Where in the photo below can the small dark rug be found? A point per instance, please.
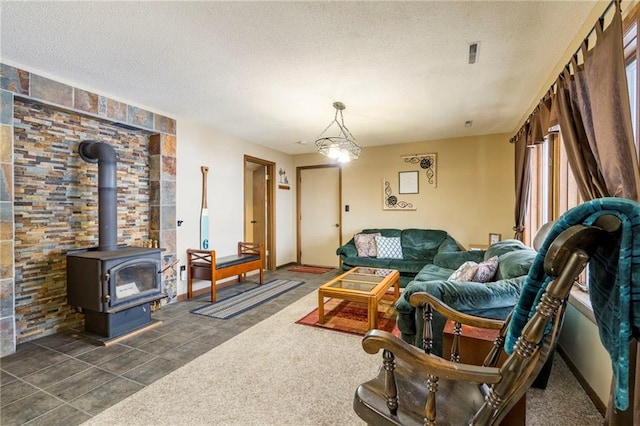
(351, 317)
(309, 269)
(235, 305)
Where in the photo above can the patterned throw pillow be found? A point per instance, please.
(486, 270)
(465, 272)
(389, 247)
(366, 244)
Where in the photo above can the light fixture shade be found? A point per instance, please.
(338, 144)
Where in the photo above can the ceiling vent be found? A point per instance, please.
(474, 51)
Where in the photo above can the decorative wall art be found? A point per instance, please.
(494, 238)
(408, 182)
(283, 181)
(426, 162)
(391, 202)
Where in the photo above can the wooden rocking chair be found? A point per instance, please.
(414, 387)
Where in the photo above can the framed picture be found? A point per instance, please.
(408, 182)
(494, 238)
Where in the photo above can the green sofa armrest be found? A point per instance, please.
(453, 260)
(449, 245)
(348, 250)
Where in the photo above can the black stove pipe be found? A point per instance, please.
(105, 156)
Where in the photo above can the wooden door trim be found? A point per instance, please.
(299, 169)
(270, 194)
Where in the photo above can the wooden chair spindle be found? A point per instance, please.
(391, 389)
(427, 332)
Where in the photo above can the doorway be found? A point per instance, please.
(259, 206)
(319, 222)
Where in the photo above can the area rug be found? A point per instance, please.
(235, 305)
(351, 317)
(308, 269)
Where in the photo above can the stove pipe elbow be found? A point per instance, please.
(105, 156)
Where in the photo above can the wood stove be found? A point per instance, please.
(114, 288)
(114, 285)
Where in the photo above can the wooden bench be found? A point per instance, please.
(250, 257)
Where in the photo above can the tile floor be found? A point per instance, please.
(65, 379)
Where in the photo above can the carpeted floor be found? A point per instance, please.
(298, 375)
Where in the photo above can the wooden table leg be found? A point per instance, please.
(320, 307)
(373, 312)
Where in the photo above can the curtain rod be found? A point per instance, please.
(593, 28)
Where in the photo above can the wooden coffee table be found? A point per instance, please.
(360, 284)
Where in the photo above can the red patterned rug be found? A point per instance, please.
(309, 269)
(351, 317)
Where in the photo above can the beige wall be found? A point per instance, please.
(580, 341)
(473, 197)
(203, 146)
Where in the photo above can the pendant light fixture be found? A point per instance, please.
(338, 144)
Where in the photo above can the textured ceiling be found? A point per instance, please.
(268, 72)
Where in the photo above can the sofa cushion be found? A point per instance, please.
(432, 272)
(404, 265)
(504, 246)
(385, 232)
(369, 262)
(389, 248)
(366, 244)
(515, 264)
(452, 260)
(465, 272)
(486, 270)
(421, 243)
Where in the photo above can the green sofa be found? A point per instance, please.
(493, 299)
(419, 248)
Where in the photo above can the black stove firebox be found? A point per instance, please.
(114, 288)
(114, 285)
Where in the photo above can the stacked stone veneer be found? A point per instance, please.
(49, 195)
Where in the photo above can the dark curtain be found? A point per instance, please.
(534, 132)
(595, 118)
(523, 180)
(595, 122)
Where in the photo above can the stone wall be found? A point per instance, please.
(48, 194)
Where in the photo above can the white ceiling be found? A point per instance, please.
(268, 72)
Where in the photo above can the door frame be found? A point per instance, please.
(299, 169)
(270, 195)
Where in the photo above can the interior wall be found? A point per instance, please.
(580, 342)
(473, 195)
(224, 155)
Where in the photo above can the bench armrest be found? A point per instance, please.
(251, 248)
(202, 256)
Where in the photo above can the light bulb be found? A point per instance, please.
(334, 152)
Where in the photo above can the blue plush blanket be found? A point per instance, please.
(614, 282)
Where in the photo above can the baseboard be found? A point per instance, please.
(602, 408)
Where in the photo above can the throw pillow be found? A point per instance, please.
(465, 272)
(486, 270)
(389, 247)
(366, 244)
